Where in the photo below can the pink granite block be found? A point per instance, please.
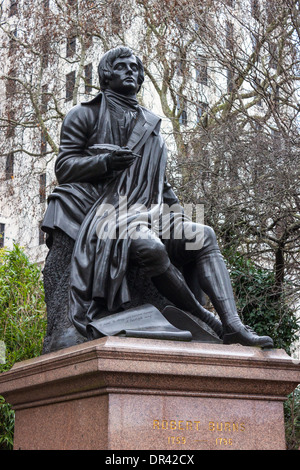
(130, 393)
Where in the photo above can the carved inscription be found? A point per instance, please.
(173, 424)
(227, 429)
(226, 426)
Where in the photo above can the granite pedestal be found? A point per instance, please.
(122, 393)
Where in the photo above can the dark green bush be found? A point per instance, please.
(292, 420)
(263, 308)
(22, 321)
(260, 304)
(7, 423)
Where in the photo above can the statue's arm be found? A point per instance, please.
(72, 164)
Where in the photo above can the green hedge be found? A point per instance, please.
(266, 310)
(260, 304)
(22, 321)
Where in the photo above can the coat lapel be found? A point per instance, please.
(145, 125)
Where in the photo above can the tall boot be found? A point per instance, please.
(171, 284)
(215, 281)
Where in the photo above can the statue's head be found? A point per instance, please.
(110, 73)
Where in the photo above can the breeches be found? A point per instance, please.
(154, 254)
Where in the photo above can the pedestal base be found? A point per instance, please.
(124, 393)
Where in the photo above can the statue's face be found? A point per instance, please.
(125, 74)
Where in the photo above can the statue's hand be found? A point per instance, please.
(121, 159)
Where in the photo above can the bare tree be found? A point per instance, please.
(226, 77)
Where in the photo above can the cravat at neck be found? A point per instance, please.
(116, 100)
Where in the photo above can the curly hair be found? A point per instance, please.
(105, 67)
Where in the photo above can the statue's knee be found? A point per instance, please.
(210, 239)
(151, 255)
(204, 237)
(153, 252)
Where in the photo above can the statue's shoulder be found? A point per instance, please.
(152, 119)
(96, 100)
(84, 110)
(149, 113)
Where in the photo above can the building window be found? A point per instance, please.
(277, 96)
(42, 235)
(115, 15)
(11, 124)
(44, 99)
(180, 67)
(70, 85)
(183, 117)
(88, 40)
(9, 166)
(45, 52)
(10, 85)
(88, 78)
(270, 11)
(182, 111)
(258, 85)
(230, 81)
(254, 40)
(71, 46)
(12, 43)
(201, 70)
(13, 9)
(229, 35)
(43, 144)
(255, 9)
(273, 50)
(42, 191)
(2, 235)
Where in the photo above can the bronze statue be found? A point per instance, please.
(111, 155)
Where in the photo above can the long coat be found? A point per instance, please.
(98, 268)
(82, 176)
